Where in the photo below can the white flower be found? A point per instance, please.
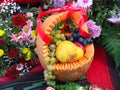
(11, 11)
(6, 7)
(29, 14)
(18, 8)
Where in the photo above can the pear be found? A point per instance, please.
(67, 51)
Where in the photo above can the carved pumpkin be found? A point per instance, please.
(69, 71)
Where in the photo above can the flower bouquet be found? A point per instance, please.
(17, 39)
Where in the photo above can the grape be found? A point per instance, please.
(58, 31)
(45, 71)
(49, 73)
(52, 54)
(76, 30)
(80, 40)
(47, 59)
(62, 36)
(58, 42)
(50, 76)
(53, 60)
(70, 29)
(76, 36)
(84, 42)
(53, 77)
(57, 36)
(54, 40)
(52, 46)
(71, 39)
(52, 32)
(50, 67)
(51, 37)
(89, 40)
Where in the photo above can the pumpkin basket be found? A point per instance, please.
(68, 71)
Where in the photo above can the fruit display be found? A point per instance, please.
(63, 50)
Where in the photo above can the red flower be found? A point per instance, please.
(2, 42)
(1, 1)
(12, 72)
(19, 19)
(13, 53)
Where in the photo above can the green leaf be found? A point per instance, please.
(112, 46)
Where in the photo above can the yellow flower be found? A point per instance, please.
(2, 32)
(25, 50)
(34, 33)
(1, 52)
(28, 57)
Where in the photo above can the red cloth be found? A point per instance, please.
(7, 78)
(98, 72)
(26, 1)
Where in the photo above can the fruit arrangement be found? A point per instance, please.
(64, 51)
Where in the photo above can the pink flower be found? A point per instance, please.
(31, 39)
(19, 67)
(75, 4)
(15, 37)
(29, 14)
(85, 3)
(95, 87)
(29, 23)
(49, 88)
(26, 30)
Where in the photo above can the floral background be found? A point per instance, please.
(17, 39)
(18, 31)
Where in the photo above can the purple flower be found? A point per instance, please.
(90, 23)
(114, 20)
(92, 27)
(59, 3)
(96, 31)
(83, 3)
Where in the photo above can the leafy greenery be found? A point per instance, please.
(110, 37)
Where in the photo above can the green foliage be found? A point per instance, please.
(111, 42)
(71, 86)
(110, 38)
